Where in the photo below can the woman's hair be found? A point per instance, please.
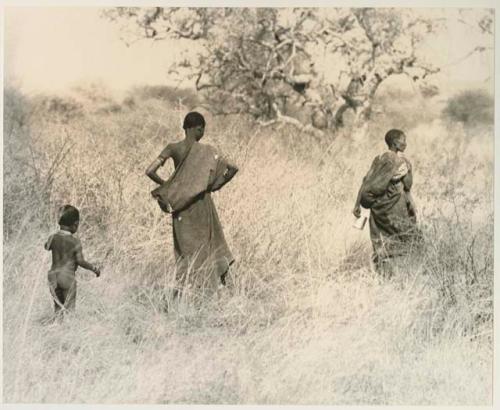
(393, 135)
(193, 119)
(68, 215)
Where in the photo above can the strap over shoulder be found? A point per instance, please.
(190, 178)
(383, 170)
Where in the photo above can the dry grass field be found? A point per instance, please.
(307, 321)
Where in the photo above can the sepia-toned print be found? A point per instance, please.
(249, 205)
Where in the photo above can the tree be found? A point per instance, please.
(477, 22)
(264, 61)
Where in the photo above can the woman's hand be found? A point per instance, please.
(357, 211)
(230, 172)
(151, 171)
(97, 270)
(165, 207)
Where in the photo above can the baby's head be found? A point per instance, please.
(69, 218)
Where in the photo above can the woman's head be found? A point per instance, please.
(396, 140)
(69, 217)
(194, 125)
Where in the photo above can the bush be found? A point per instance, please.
(166, 93)
(62, 108)
(15, 111)
(471, 107)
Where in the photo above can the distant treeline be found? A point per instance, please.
(471, 107)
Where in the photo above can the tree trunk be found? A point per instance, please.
(359, 97)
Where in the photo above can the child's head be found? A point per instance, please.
(396, 140)
(69, 216)
(194, 125)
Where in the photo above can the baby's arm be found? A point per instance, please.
(80, 260)
(400, 172)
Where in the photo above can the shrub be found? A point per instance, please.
(471, 107)
(172, 95)
(62, 108)
(15, 111)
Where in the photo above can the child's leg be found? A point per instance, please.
(227, 279)
(59, 297)
(55, 291)
(223, 278)
(70, 297)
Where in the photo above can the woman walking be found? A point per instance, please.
(386, 191)
(202, 255)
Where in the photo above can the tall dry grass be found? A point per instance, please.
(307, 321)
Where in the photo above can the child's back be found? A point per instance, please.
(64, 247)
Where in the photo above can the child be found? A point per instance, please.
(66, 257)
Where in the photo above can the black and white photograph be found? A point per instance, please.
(252, 204)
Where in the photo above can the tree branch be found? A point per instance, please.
(285, 119)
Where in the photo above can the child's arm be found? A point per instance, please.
(157, 163)
(48, 244)
(80, 260)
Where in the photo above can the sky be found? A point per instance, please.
(55, 48)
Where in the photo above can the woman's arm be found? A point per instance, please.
(157, 163)
(408, 181)
(48, 244)
(229, 173)
(357, 205)
(412, 209)
(408, 177)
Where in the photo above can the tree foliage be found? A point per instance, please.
(264, 61)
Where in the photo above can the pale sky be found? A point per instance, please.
(53, 48)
